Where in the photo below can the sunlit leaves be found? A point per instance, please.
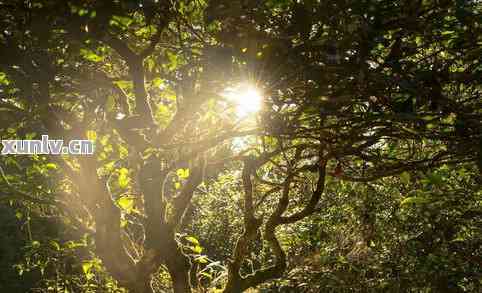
(3, 79)
(90, 266)
(35, 244)
(90, 55)
(123, 179)
(201, 259)
(124, 84)
(416, 198)
(122, 22)
(163, 114)
(173, 60)
(177, 185)
(146, 31)
(196, 249)
(19, 215)
(333, 99)
(55, 245)
(86, 267)
(157, 82)
(91, 135)
(126, 203)
(182, 173)
(192, 240)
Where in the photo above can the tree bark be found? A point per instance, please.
(143, 285)
(178, 266)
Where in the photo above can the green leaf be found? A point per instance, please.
(173, 60)
(157, 82)
(206, 275)
(182, 173)
(126, 203)
(196, 249)
(86, 268)
(3, 79)
(55, 245)
(90, 55)
(51, 166)
(121, 21)
(19, 269)
(405, 178)
(416, 200)
(35, 244)
(82, 12)
(201, 259)
(192, 240)
(450, 119)
(123, 179)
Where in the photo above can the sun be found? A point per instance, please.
(246, 98)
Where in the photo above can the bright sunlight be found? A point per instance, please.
(246, 98)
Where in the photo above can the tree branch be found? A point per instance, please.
(315, 197)
(182, 201)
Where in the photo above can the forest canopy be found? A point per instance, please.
(260, 146)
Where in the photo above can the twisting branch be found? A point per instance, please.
(136, 70)
(182, 201)
(269, 235)
(315, 197)
(249, 217)
(271, 272)
(108, 240)
(236, 283)
(251, 226)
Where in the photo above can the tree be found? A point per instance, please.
(356, 91)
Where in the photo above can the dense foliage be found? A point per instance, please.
(360, 172)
